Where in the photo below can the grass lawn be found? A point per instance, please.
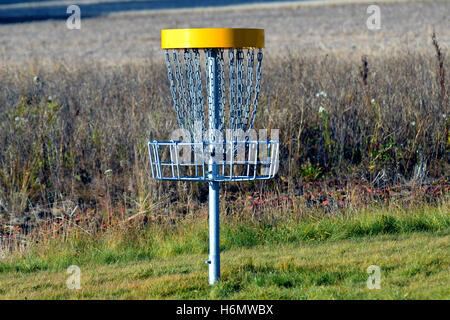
(413, 266)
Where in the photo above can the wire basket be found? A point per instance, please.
(206, 161)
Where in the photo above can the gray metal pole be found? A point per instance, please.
(213, 118)
(214, 249)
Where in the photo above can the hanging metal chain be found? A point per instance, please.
(212, 120)
(239, 88)
(191, 94)
(257, 88)
(181, 90)
(199, 108)
(206, 69)
(173, 90)
(221, 87)
(249, 87)
(231, 88)
(186, 87)
(207, 77)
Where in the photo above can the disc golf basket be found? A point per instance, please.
(215, 77)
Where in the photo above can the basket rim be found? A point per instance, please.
(204, 166)
(226, 38)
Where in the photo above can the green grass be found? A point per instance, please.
(413, 266)
(290, 258)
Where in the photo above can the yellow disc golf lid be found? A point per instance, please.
(238, 38)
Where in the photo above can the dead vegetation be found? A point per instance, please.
(74, 139)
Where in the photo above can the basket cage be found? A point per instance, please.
(220, 161)
(214, 89)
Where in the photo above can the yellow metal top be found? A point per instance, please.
(212, 38)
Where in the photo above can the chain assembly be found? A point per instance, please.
(188, 87)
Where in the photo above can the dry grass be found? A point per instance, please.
(74, 134)
(79, 133)
(412, 267)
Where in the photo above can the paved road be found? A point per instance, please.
(16, 11)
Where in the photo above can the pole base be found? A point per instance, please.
(214, 237)
(214, 269)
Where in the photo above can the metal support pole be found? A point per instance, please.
(213, 120)
(214, 249)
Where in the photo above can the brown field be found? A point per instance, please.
(304, 28)
(73, 143)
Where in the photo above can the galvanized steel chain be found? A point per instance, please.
(221, 86)
(212, 119)
(249, 87)
(244, 85)
(181, 90)
(231, 80)
(173, 90)
(191, 94)
(199, 109)
(257, 88)
(239, 87)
